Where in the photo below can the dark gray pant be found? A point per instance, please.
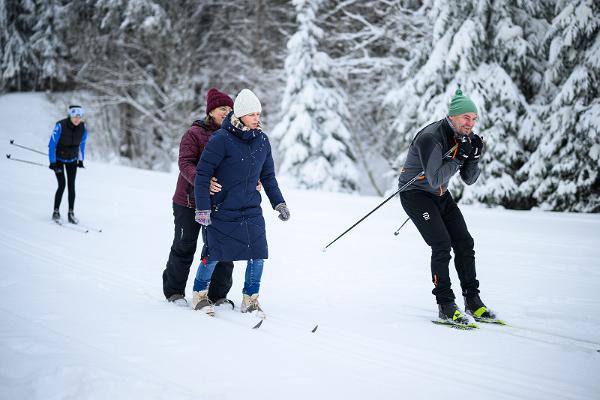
(442, 226)
(181, 257)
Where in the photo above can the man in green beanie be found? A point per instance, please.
(440, 150)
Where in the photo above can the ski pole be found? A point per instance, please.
(24, 161)
(12, 141)
(398, 230)
(375, 209)
(407, 184)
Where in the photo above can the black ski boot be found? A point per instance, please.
(224, 300)
(56, 215)
(178, 299)
(475, 307)
(72, 218)
(451, 312)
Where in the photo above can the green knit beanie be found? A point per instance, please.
(461, 104)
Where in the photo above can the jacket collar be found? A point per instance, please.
(232, 124)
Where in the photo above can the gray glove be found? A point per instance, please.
(284, 212)
(203, 217)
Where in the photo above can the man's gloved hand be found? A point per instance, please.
(80, 164)
(284, 212)
(464, 148)
(203, 217)
(477, 147)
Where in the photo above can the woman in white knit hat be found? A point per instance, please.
(238, 155)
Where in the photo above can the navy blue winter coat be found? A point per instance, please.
(238, 159)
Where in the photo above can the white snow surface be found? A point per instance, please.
(82, 316)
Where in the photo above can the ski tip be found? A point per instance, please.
(316, 326)
(492, 321)
(258, 325)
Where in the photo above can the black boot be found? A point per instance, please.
(178, 299)
(72, 218)
(451, 312)
(56, 215)
(475, 307)
(224, 300)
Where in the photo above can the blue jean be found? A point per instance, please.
(254, 269)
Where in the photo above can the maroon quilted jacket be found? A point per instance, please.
(191, 146)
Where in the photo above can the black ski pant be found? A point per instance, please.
(176, 273)
(442, 225)
(59, 171)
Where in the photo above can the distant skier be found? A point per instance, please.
(432, 209)
(238, 155)
(181, 256)
(66, 150)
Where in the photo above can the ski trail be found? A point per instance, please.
(71, 364)
(532, 334)
(554, 339)
(402, 359)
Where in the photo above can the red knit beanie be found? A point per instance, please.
(215, 99)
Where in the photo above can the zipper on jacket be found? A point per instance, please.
(245, 222)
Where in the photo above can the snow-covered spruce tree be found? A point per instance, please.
(564, 171)
(18, 62)
(368, 42)
(454, 55)
(47, 42)
(132, 71)
(236, 44)
(514, 33)
(313, 140)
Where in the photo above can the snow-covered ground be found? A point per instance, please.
(82, 316)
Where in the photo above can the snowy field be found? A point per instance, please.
(82, 315)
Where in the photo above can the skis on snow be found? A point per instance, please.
(261, 317)
(455, 325)
(90, 228)
(470, 326)
(70, 226)
(494, 321)
(77, 227)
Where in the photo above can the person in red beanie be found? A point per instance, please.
(181, 256)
